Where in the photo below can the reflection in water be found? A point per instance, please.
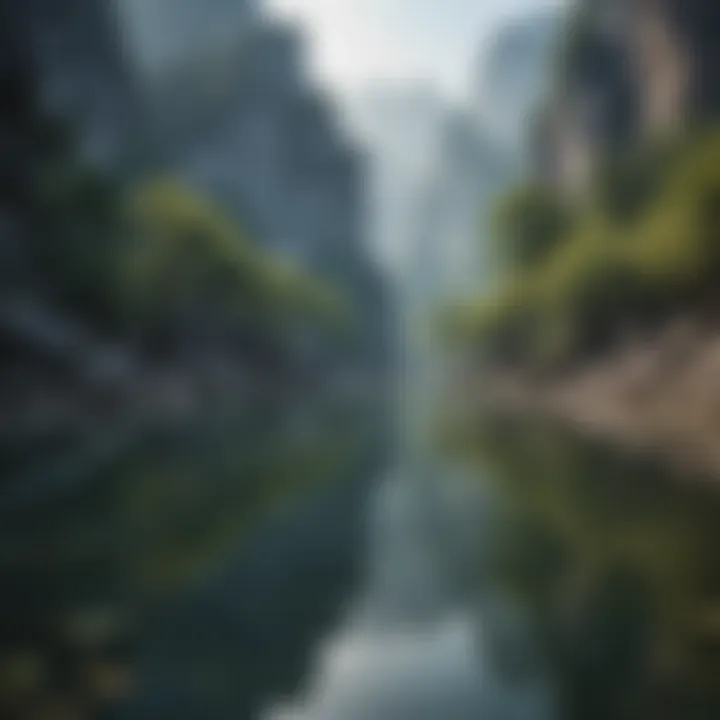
(186, 577)
(267, 570)
(415, 643)
(616, 563)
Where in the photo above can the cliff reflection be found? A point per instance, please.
(95, 578)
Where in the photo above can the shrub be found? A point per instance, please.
(528, 225)
(626, 186)
(190, 261)
(499, 327)
(186, 254)
(574, 286)
(676, 246)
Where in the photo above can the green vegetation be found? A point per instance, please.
(528, 225)
(645, 246)
(161, 263)
(189, 262)
(152, 265)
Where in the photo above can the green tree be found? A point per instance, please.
(191, 268)
(528, 225)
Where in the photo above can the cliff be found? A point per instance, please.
(261, 179)
(82, 70)
(243, 123)
(630, 72)
(166, 33)
(607, 311)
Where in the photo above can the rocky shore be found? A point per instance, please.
(658, 395)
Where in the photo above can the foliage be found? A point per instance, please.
(527, 225)
(634, 256)
(677, 243)
(625, 185)
(189, 261)
(160, 260)
(504, 321)
(185, 255)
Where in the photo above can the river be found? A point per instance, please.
(296, 568)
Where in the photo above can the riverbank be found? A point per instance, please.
(659, 395)
(44, 405)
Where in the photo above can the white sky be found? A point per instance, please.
(355, 42)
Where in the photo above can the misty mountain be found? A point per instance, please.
(514, 71)
(401, 127)
(452, 209)
(480, 153)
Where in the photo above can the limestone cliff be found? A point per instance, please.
(630, 72)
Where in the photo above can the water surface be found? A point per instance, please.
(294, 567)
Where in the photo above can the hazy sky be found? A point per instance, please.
(357, 41)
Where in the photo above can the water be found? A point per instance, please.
(613, 558)
(292, 567)
(186, 573)
(413, 645)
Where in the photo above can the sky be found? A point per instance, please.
(354, 43)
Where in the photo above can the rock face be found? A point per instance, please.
(17, 153)
(664, 69)
(75, 50)
(593, 107)
(222, 102)
(632, 72)
(165, 33)
(692, 35)
(260, 141)
(242, 123)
